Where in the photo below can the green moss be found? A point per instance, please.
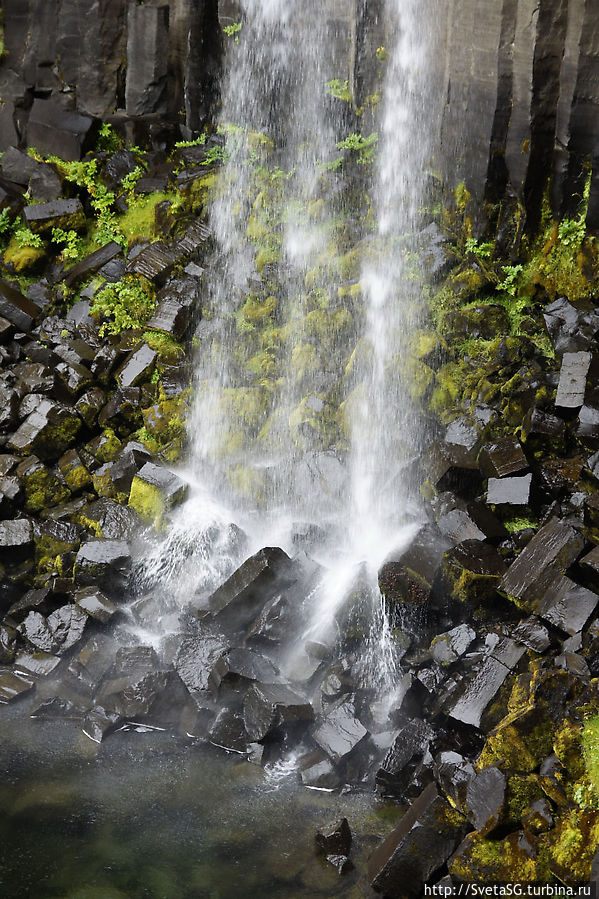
(305, 361)
(148, 501)
(169, 350)
(247, 482)
(126, 304)
(266, 256)
(497, 861)
(42, 488)
(164, 423)
(139, 220)
(22, 258)
(572, 846)
(106, 448)
(519, 523)
(256, 312)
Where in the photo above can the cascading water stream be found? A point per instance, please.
(303, 416)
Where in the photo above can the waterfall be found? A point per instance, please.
(304, 423)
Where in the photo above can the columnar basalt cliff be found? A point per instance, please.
(520, 78)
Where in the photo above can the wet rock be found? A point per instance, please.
(47, 432)
(420, 845)
(457, 525)
(32, 378)
(243, 595)
(56, 131)
(242, 666)
(128, 463)
(548, 554)
(104, 563)
(101, 368)
(340, 731)
(16, 308)
(56, 634)
(17, 166)
(13, 685)
(406, 578)
(272, 710)
(538, 818)
(45, 184)
(99, 724)
(568, 605)
(174, 308)
(541, 429)
(485, 799)
(469, 703)
(74, 472)
(572, 380)
(532, 634)
(450, 466)
(89, 405)
(447, 648)
(570, 329)
(274, 622)
(155, 491)
(509, 491)
(197, 657)
(65, 214)
(16, 539)
(470, 573)
(409, 749)
(501, 458)
(228, 732)
(317, 771)
(157, 697)
(93, 602)
(38, 664)
(453, 773)
(336, 839)
(92, 263)
(137, 367)
(111, 519)
(146, 87)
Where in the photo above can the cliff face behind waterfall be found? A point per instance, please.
(519, 79)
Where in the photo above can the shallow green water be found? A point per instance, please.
(144, 815)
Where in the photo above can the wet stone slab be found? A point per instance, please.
(340, 732)
(502, 458)
(509, 491)
(573, 380)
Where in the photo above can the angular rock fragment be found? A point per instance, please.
(509, 491)
(340, 731)
(447, 648)
(13, 685)
(478, 690)
(197, 657)
(99, 724)
(244, 593)
(453, 774)
(409, 749)
(90, 264)
(485, 799)
(74, 472)
(228, 732)
(548, 554)
(532, 634)
(335, 839)
(568, 605)
(242, 666)
(56, 634)
(65, 214)
(16, 308)
(502, 458)
(47, 432)
(174, 307)
(457, 525)
(137, 367)
(16, 538)
(420, 845)
(470, 572)
(105, 563)
(268, 710)
(56, 131)
(572, 380)
(155, 491)
(95, 604)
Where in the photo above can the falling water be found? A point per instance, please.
(303, 416)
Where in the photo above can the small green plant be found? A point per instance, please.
(108, 139)
(216, 156)
(198, 142)
(233, 31)
(365, 147)
(69, 240)
(381, 54)
(338, 89)
(26, 238)
(483, 250)
(511, 275)
(5, 221)
(572, 232)
(126, 304)
(129, 181)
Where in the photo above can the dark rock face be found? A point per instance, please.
(103, 563)
(246, 591)
(268, 709)
(421, 844)
(57, 131)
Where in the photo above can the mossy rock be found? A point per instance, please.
(43, 489)
(480, 860)
(572, 845)
(148, 501)
(23, 259)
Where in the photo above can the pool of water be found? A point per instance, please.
(146, 815)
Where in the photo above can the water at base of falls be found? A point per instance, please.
(306, 424)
